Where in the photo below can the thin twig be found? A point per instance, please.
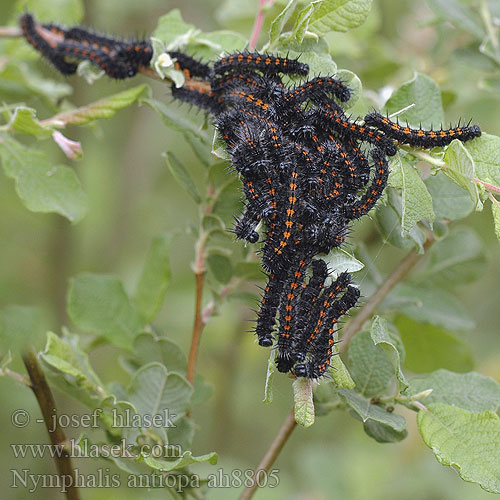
(197, 328)
(271, 454)
(18, 377)
(14, 32)
(199, 273)
(366, 312)
(10, 32)
(47, 405)
(259, 21)
(487, 186)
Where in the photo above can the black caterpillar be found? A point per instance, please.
(307, 172)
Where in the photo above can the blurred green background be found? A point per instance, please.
(134, 198)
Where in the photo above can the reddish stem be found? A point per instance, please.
(259, 21)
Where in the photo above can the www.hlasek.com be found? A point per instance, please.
(103, 478)
(84, 449)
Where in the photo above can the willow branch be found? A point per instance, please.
(15, 32)
(10, 32)
(199, 273)
(47, 405)
(259, 21)
(366, 312)
(271, 454)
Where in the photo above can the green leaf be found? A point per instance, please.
(381, 337)
(98, 304)
(339, 374)
(339, 260)
(21, 326)
(104, 108)
(249, 271)
(459, 14)
(471, 391)
(312, 51)
(469, 442)
(279, 22)
(61, 11)
(43, 187)
(457, 259)
(495, 211)
(176, 119)
(416, 200)
(390, 423)
(171, 27)
(271, 369)
(302, 21)
(430, 347)
(485, 152)
(339, 15)
(303, 398)
(20, 79)
(24, 121)
(429, 305)
(183, 433)
(388, 218)
(155, 278)
(369, 366)
(383, 433)
(71, 371)
(182, 462)
(182, 176)
(449, 201)
(461, 170)
(211, 45)
(424, 93)
(212, 224)
(203, 390)
(148, 347)
(155, 391)
(221, 267)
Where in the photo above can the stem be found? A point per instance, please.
(197, 328)
(22, 379)
(271, 454)
(487, 186)
(10, 32)
(366, 312)
(199, 273)
(47, 405)
(421, 155)
(259, 21)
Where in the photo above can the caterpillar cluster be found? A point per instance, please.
(307, 172)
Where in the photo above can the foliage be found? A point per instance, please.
(412, 354)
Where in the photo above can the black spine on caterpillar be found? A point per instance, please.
(288, 313)
(266, 63)
(331, 115)
(418, 137)
(322, 310)
(266, 317)
(322, 349)
(317, 90)
(196, 97)
(306, 305)
(374, 190)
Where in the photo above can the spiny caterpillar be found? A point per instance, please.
(307, 172)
